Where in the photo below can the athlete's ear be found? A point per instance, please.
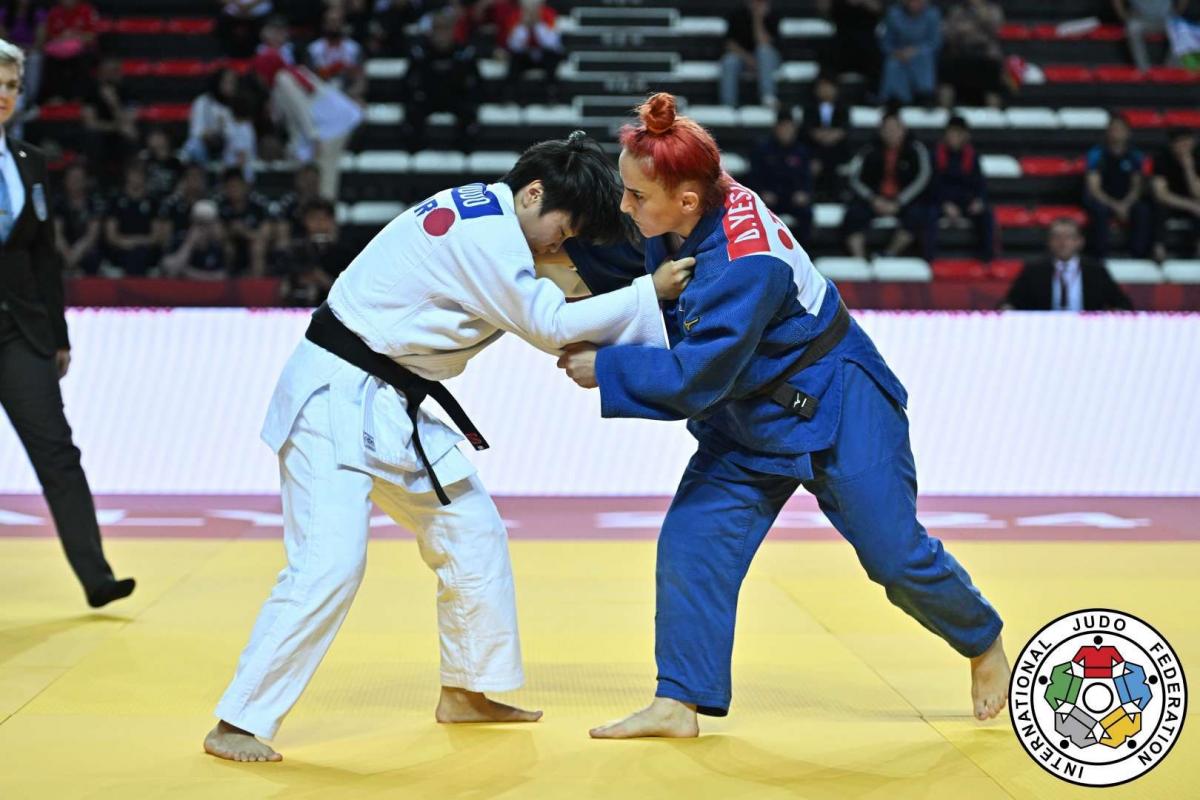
(533, 192)
(689, 201)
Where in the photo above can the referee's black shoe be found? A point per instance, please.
(110, 591)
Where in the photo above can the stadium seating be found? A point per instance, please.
(620, 50)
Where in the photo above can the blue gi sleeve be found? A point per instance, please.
(606, 268)
(728, 315)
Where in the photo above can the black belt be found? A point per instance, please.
(327, 331)
(796, 401)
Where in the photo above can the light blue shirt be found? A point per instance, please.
(1070, 273)
(12, 177)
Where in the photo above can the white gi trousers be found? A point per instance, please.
(326, 516)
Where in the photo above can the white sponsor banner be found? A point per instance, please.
(170, 401)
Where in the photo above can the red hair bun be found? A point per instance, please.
(673, 149)
(658, 113)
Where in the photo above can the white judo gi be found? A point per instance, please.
(435, 287)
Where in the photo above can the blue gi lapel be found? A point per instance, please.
(657, 249)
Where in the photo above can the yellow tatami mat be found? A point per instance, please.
(836, 693)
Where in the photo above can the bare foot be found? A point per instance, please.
(664, 717)
(459, 705)
(235, 744)
(989, 681)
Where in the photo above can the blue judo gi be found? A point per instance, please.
(754, 304)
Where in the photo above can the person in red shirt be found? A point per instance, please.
(71, 28)
(290, 90)
(530, 35)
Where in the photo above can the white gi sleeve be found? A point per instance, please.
(502, 289)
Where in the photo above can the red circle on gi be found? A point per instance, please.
(438, 221)
(787, 240)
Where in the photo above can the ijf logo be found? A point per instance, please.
(1098, 697)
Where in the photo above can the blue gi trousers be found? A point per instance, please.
(865, 484)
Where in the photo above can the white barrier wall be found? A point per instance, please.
(170, 401)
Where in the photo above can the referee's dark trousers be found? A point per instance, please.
(33, 330)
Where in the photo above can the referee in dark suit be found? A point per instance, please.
(34, 351)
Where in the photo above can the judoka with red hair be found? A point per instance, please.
(781, 389)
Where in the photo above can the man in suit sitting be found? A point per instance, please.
(1065, 281)
(34, 351)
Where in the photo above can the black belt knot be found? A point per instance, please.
(327, 331)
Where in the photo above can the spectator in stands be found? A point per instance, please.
(1176, 186)
(337, 58)
(1114, 190)
(442, 76)
(241, 146)
(958, 191)
(532, 41)
(23, 23)
(77, 223)
(70, 49)
(911, 38)
(240, 24)
(317, 259)
(289, 90)
(296, 97)
(211, 119)
(109, 123)
(751, 45)
(287, 214)
(972, 63)
(855, 43)
(781, 173)
(246, 217)
(391, 18)
(1065, 280)
(163, 167)
(204, 252)
(133, 230)
(176, 210)
(826, 125)
(1142, 17)
(888, 178)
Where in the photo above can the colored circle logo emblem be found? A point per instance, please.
(1098, 697)
(438, 221)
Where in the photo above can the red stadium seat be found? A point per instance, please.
(1143, 117)
(1068, 73)
(1005, 269)
(60, 112)
(191, 27)
(1182, 118)
(1173, 75)
(1051, 166)
(1015, 32)
(1013, 217)
(1119, 73)
(958, 269)
(184, 68)
(165, 112)
(1044, 215)
(137, 68)
(142, 26)
(1106, 33)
